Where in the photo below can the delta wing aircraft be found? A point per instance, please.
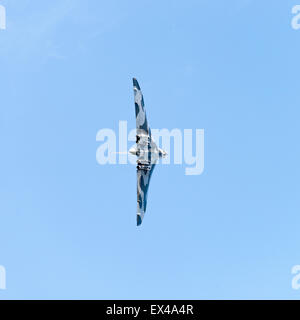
(146, 151)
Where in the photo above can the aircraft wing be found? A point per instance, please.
(140, 112)
(143, 181)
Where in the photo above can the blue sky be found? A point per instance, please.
(68, 225)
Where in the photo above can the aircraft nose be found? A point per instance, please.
(132, 150)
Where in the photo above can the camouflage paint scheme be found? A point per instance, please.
(146, 151)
